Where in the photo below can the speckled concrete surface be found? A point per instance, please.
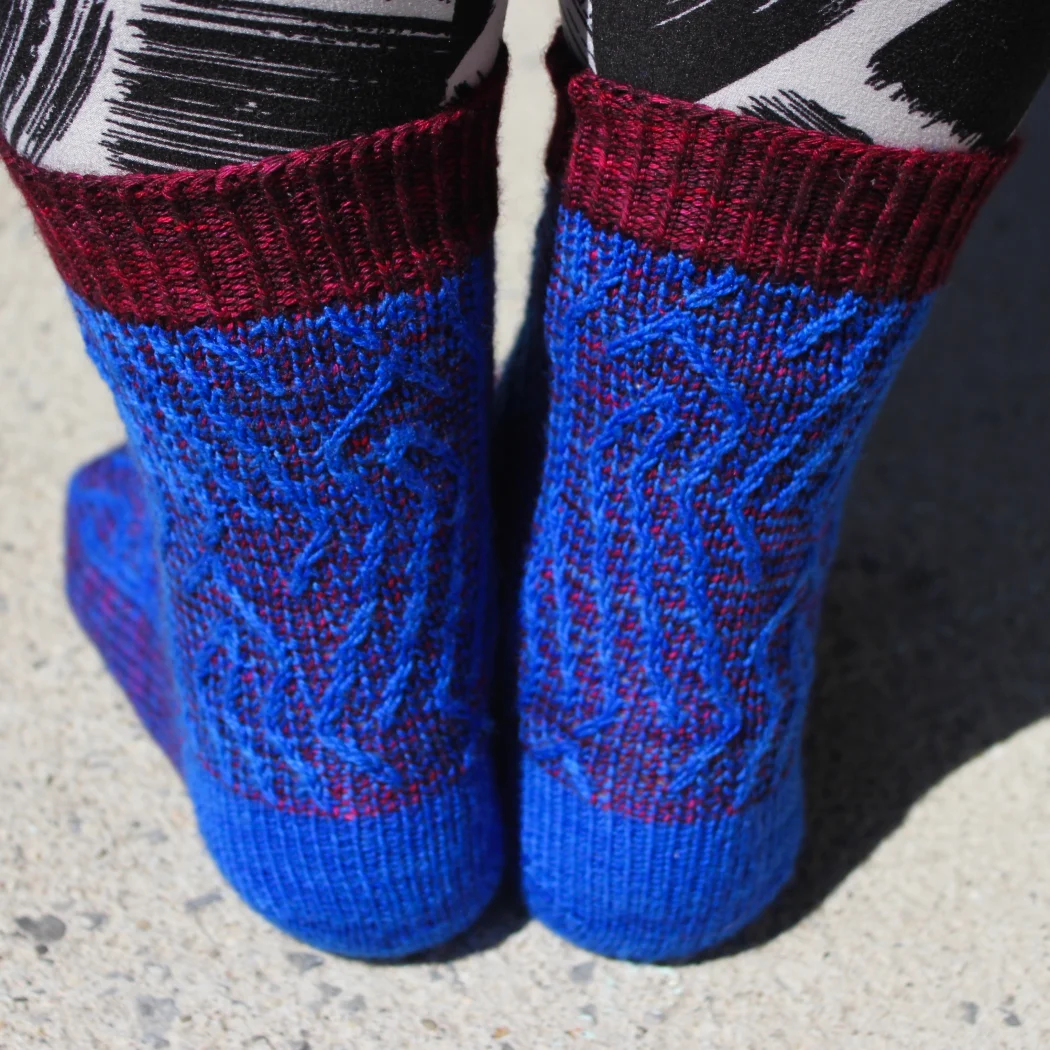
(921, 916)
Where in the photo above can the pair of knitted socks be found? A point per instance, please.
(290, 570)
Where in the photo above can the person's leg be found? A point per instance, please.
(100, 86)
(299, 346)
(940, 74)
(722, 302)
(77, 79)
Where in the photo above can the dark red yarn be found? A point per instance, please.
(385, 212)
(773, 201)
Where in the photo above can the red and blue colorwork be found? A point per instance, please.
(300, 350)
(727, 302)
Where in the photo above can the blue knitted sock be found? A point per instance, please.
(300, 349)
(728, 300)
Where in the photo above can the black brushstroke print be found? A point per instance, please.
(469, 19)
(789, 107)
(44, 83)
(973, 64)
(23, 30)
(575, 26)
(213, 81)
(691, 48)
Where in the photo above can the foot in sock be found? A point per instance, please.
(112, 585)
(300, 351)
(728, 301)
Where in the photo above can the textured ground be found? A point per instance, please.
(921, 915)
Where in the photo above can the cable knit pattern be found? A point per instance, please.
(315, 484)
(727, 302)
(701, 430)
(300, 350)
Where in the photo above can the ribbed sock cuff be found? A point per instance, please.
(346, 222)
(774, 201)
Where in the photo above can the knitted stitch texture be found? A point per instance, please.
(300, 350)
(727, 304)
(113, 588)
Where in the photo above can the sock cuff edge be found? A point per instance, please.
(390, 211)
(774, 201)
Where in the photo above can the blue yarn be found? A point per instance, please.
(317, 492)
(662, 891)
(700, 428)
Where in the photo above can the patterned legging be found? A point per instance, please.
(939, 74)
(101, 86)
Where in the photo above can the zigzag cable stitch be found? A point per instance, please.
(410, 464)
(651, 469)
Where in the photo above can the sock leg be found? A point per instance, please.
(300, 349)
(727, 303)
(113, 587)
(937, 74)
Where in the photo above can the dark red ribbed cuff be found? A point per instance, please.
(771, 200)
(397, 209)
